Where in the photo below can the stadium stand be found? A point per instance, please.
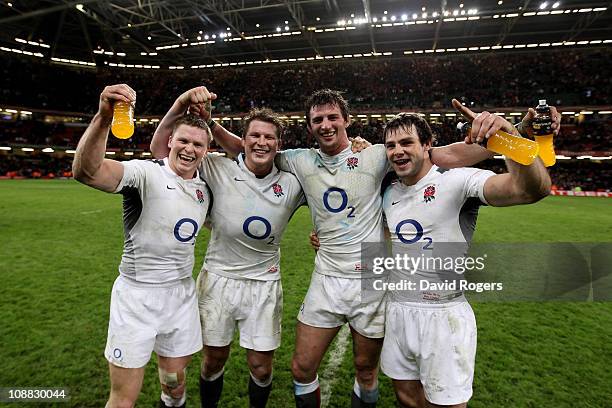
(61, 111)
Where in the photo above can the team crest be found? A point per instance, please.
(200, 196)
(429, 194)
(352, 162)
(277, 189)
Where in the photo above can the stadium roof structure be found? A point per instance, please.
(195, 33)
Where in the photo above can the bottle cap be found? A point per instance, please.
(542, 101)
(464, 127)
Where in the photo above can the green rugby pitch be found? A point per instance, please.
(61, 244)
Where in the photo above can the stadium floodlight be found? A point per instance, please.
(424, 15)
(415, 16)
(500, 2)
(555, 4)
(604, 112)
(392, 18)
(434, 14)
(543, 5)
(27, 149)
(128, 153)
(586, 112)
(404, 17)
(47, 150)
(145, 154)
(5, 148)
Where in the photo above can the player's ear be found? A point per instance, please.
(170, 141)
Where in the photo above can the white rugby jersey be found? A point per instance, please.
(248, 218)
(162, 215)
(343, 193)
(435, 218)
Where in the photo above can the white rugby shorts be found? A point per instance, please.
(433, 343)
(150, 317)
(332, 301)
(255, 306)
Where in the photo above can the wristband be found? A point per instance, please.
(211, 124)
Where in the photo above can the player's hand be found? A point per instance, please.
(112, 94)
(203, 110)
(197, 96)
(527, 121)
(484, 124)
(358, 144)
(314, 240)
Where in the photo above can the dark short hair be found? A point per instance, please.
(405, 121)
(327, 97)
(264, 115)
(193, 121)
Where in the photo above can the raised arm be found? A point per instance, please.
(468, 153)
(159, 143)
(197, 100)
(89, 165)
(522, 184)
(230, 142)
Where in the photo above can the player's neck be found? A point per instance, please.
(337, 149)
(412, 180)
(259, 170)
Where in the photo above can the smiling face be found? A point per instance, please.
(188, 145)
(409, 158)
(328, 126)
(260, 143)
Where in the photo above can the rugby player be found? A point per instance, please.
(342, 189)
(153, 302)
(430, 340)
(239, 284)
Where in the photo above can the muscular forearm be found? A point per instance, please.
(531, 182)
(159, 143)
(459, 155)
(230, 142)
(91, 149)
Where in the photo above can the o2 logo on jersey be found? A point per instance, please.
(418, 233)
(252, 228)
(184, 233)
(334, 191)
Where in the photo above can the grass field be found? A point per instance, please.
(61, 244)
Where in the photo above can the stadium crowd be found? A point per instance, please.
(566, 175)
(579, 134)
(575, 77)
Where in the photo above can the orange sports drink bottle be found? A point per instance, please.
(516, 148)
(123, 120)
(543, 133)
